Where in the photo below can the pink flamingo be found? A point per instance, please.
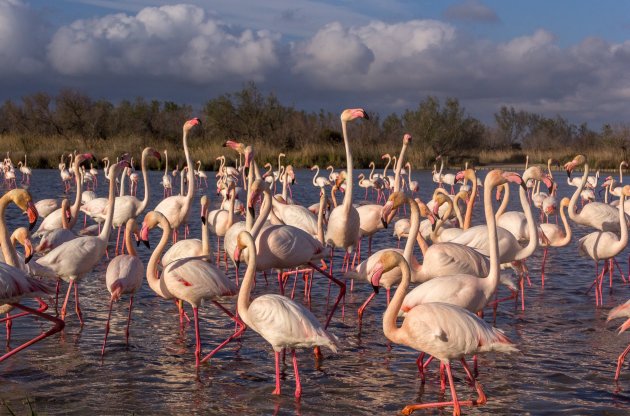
(445, 331)
(552, 235)
(621, 311)
(191, 247)
(279, 320)
(176, 208)
(191, 279)
(124, 276)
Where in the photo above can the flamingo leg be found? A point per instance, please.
(8, 326)
(298, 385)
(59, 324)
(277, 390)
(109, 315)
(620, 361)
(241, 329)
(128, 320)
(65, 302)
(362, 308)
(198, 340)
(543, 267)
(77, 306)
(342, 290)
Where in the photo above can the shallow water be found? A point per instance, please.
(567, 361)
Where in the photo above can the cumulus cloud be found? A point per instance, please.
(471, 10)
(21, 34)
(178, 41)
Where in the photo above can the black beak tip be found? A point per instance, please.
(146, 243)
(252, 211)
(31, 225)
(27, 259)
(203, 219)
(433, 226)
(384, 223)
(524, 186)
(375, 289)
(569, 174)
(137, 243)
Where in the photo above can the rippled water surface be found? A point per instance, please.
(567, 361)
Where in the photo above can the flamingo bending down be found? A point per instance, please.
(191, 279)
(124, 276)
(176, 208)
(444, 331)
(73, 259)
(279, 320)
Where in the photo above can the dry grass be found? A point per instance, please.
(45, 153)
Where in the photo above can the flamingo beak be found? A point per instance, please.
(144, 236)
(376, 276)
(548, 182)
(28, 251)
(387, 208)
(237, 256)
(32, 214)
(203, 219)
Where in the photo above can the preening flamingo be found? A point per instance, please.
(124, 277)
(175, 208)
(444, 331)
(279, 320)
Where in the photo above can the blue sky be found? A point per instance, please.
(549, 57)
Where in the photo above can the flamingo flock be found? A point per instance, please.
(260, 231)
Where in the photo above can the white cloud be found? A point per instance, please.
(21, 32)
(178, 41)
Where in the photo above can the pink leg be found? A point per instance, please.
(65, 302)
(362, 308)
(198, 345)
(543, 266)
(620, 361)
(277, 390)
(77, 306)
(239, 331)
(298, 385)
(128, 320)
(109, 315)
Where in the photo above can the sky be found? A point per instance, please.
(562, 57)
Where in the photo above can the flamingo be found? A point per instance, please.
(25, 171)
(447, 178)
(343, 223)
(166, 180)
(190, 279)
(413, 185)
(21, 235)
(94, 173)
(279, 320)
(58, 236)
(46, 206)
(366, 183)
(175, 208)
(398, 166)
(468, 290)
(444, 331)
(621, 311)
(124, 276)
(201, 175)
(73, 259)
(332, 176)
(551, 235)
(605, 245)
(54, 219)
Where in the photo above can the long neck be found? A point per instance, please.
(165, 164)
(409, 174)
(74, 210)
(145, 178)
(458, 212)
(372, 171)
(8, 251)
(441, 167)
(104, 235)
(232, 194)
(285, 177)
(320, 218)
(131, 247)
(123, 179)
(244, 292)
(567, 229)
(549, 169)
(389, 318)
(314, 177)
(493, 243)
(205, 239)
(191, 175)
(181, 183)
(623, 237)
(414, 228)
(152, 266)
(249, 218)
(399, 164)
(504, 201)
(347, 198)
(471, 203)
(574, 198)
(389, 160)
(264, 213)
(64, 220)
(532, 228)
(621, 172)
(333, 196)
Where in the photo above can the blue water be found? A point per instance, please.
(566, 365)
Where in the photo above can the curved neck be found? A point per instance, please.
(470, 206)
(567, 229)
(576, 194)
(623, 237)
(8, 251)
(181, 182)
(504, 201)
(264, 213)
(232, 193)
(104, 235)
(493, 243)
(549, 169)
(145, 178)
(347, 198)
(131, 247)
(399, 164)
(333, 196)
(458, 212)
(389, 160)
(391, 313)
(285, 176)
(372, 171)
(315, 177)
(74, 210)
(152, 267)
(532, 229)
(320, 218)
(414, 228)
(244, 292)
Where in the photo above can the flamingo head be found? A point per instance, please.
(353, 113)
(154, 153)
(22, 198)
(256, 192)
(407, 138)
(22, 235)
(204, 209)
(248, 152)
(395, 200)
(190, 124)
(577, 161)
(243, 240)
(340, 179)
(624, 164)
(151, 220)
(438, 200)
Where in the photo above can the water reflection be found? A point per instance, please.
(567, 362)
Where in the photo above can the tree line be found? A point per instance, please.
(438, 127)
